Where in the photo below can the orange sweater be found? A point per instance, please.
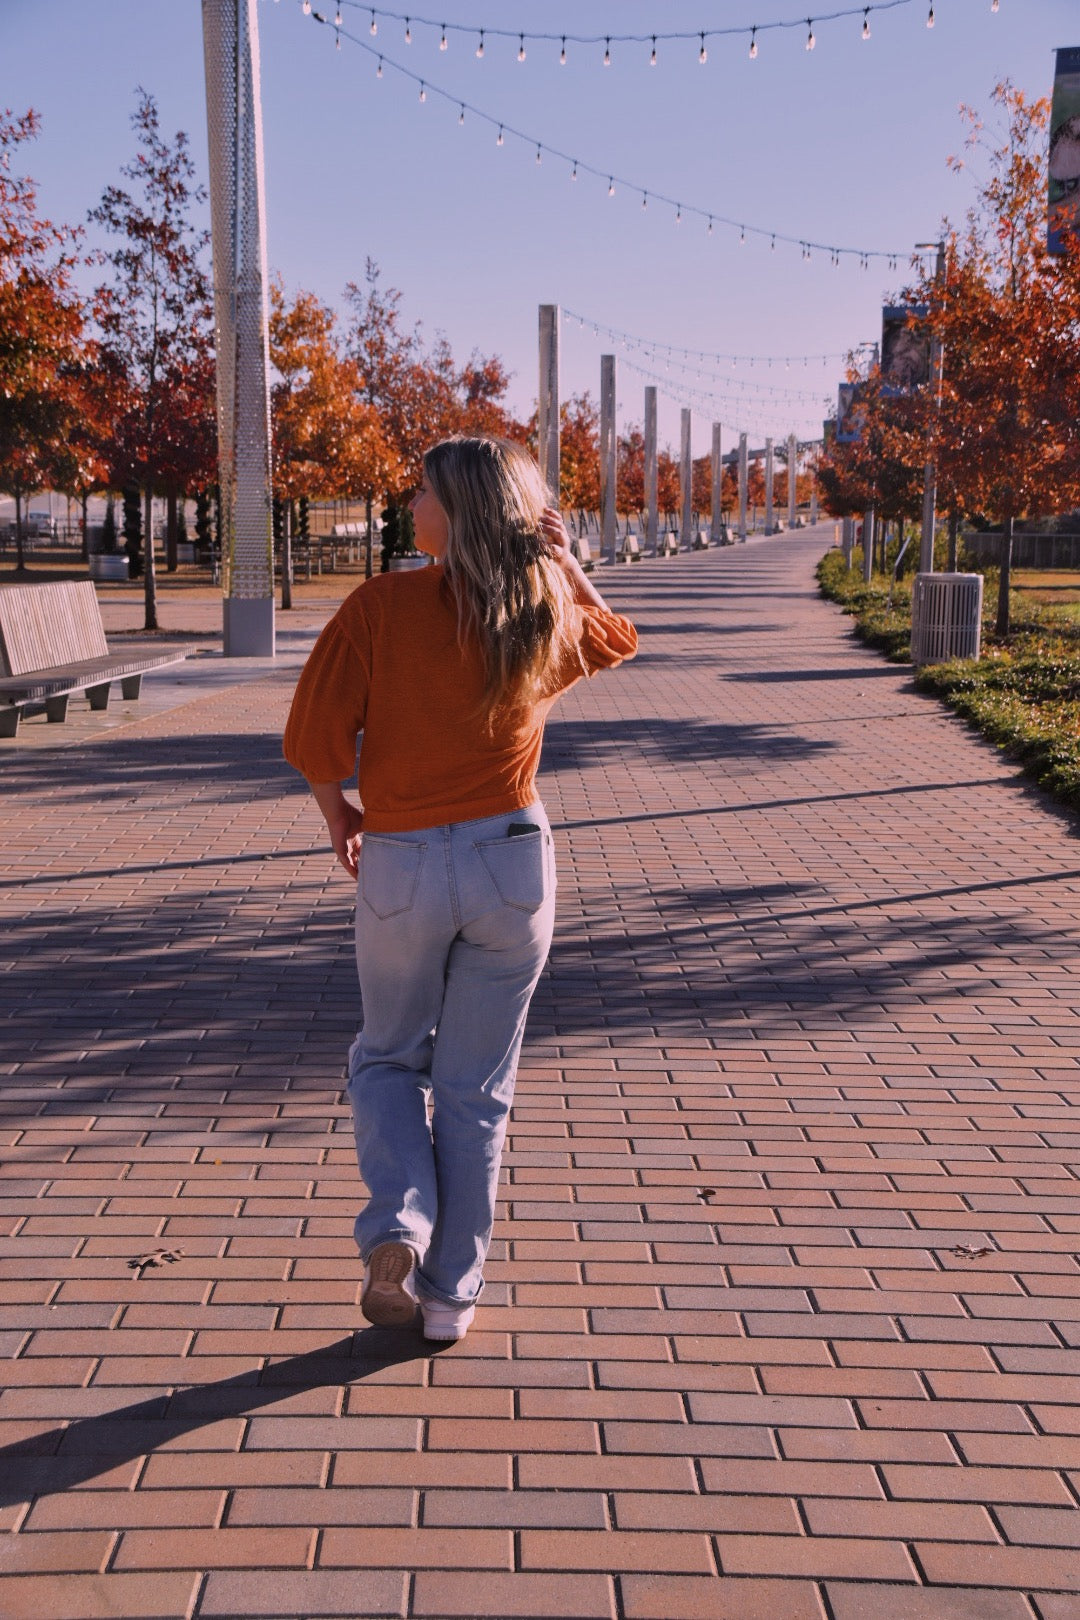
(389, 665)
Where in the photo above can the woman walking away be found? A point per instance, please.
(449, 672)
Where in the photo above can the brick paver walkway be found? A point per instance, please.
(783, 1317)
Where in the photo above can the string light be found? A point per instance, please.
(866, 23)
(607, 53)
(703, 36)
(810, 40)
(374, 29)
(644, 201)
(408, 32)
(538, 155)
(863, 255)
(337, 18)
(562, 54)
(993, 5)
(652, 58)
(480, 47)
(306, 8)
(337, 42)
(679, 354)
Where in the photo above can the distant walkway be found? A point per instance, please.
(783, 1318)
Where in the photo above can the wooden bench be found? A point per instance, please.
(52, 643)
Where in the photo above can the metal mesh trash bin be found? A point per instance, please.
(946, 617)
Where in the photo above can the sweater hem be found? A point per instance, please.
(442, 815)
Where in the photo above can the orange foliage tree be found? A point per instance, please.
(42, 342)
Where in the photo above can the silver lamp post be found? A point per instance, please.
(237, 215)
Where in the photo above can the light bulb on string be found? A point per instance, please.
(810, 40)
(710, 229)
(866, 23)
(337, 41)
(644, 201)
(521, 47)
(994, 5)
(408, 32)
(337, 18)
(573, 171)
(607, 52)
(461, 114)
(442, 42)
(610, 186)
(703, 55)
(538, 153)
(378, 70)
(678, 213)
(423, 91)
(742, 235)
(652, 58)
(374, 29)
(753, 44)
(306, 8)
(480, 47)
(930, 15)
(499, 137)
(562, 53)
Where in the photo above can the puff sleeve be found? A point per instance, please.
(330, 702)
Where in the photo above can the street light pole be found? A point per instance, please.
(937, 361)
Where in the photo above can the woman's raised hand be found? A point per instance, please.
(558, 541)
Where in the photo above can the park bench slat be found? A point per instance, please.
(52, 643)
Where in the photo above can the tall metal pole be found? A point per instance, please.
(813, 495)
(607, 455)
(237, 216)
(792, 474)
(549, 399)
(686, 477)
(743, 480)
(651, 471)
(769, 525)
(716, 516)
(937, 359)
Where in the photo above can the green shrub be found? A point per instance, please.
(1022, 694)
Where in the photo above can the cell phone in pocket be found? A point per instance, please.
(519, 829)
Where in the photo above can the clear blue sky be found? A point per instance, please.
(846, 144)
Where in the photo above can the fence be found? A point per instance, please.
(1028, 550)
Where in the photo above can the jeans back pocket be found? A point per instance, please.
(522, 869)
(389, 873)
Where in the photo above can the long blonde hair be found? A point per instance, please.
(510, 595)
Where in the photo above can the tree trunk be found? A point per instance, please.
(20, 554)
(170, 532)
(286, 554)
(954, 531)
(1002, 626)
(149, 565)
(368, 541)
(85, 528)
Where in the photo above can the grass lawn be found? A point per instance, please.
(1023, 693)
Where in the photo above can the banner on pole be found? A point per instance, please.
(849, 413)
(1063, 186)
(905, 348)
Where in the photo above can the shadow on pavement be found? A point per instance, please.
(64, 1458)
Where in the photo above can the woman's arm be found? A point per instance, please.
(344, 822)
(558, 542)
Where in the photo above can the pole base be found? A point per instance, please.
(248, 624)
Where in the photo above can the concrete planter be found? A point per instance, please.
(109, 565)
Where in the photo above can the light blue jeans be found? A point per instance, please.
(453, 927)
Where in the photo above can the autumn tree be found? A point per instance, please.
(42, 339)
(1007, 438)
(327, 440)
(579, 452)
(155, 323)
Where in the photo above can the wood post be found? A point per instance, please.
(743, 473)
(651, 513)
(716, 515)
(686, 477)
(548, 430)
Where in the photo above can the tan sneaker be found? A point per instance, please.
(388, 1295)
